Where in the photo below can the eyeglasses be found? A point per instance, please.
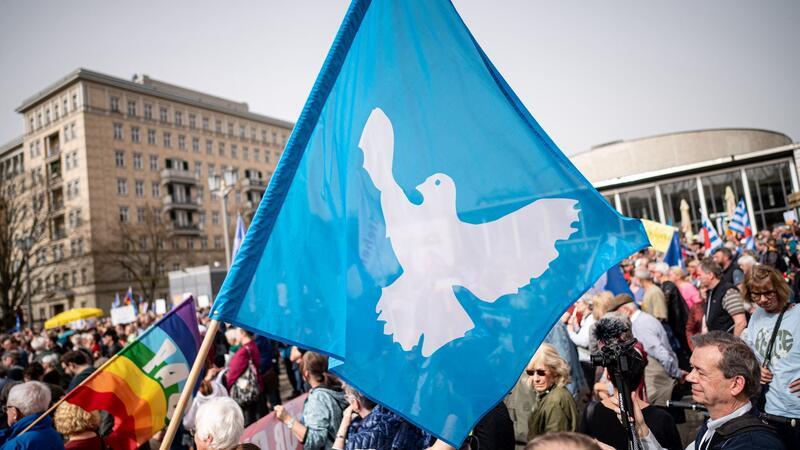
(770, 295)
(540, 372)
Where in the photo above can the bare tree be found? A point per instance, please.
(23, 228)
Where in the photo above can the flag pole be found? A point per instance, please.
(186, 394)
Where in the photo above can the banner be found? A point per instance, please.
(660, 235)
(271, 433)
(123, 315)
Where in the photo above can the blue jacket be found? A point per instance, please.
(384, 430)
(754, 436)
(42, 436)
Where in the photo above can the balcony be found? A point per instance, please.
(52, 153)
(56, 208)
(190, 229)
(254, 184)
(188, 203)
(178, 176)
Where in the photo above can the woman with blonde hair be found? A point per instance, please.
(555, 410)
(79, 427)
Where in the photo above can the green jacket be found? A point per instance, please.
(554, 411)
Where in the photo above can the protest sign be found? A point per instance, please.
(161, 306)
(269, 432)
(123, 315)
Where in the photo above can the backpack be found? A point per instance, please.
(245, 389)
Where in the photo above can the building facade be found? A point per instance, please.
(113, 155)
(650, 178)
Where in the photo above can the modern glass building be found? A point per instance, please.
(705, 170)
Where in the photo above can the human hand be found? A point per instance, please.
(642, 429)
(281, 414)
(794, 387)
(766, 376)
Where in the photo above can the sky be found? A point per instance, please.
(590, 72)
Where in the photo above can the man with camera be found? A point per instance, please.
(662, 369)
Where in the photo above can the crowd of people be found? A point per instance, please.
(719, 333)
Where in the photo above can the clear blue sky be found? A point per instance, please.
(590, 72)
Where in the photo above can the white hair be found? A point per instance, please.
(38, 343)
(50, 360)
(746, 260)
(220, 418)
(29, 398)
(661, 267)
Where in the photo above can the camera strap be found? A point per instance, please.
(768, 354)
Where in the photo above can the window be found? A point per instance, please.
(769, 185)
(178, 118)
(182, 142)
(155, 189)
(66, 106)
(74, 277)
(131, 107)
(123, 214)
(198, 169)
(151, 137)
(137, 161)
(135, 135)
(163, 115)
(203, 242)
(264, 136)
(167, 139)
(252, 133)
(205, 123)
(139, 188)
(189, 243)
(122, 186)
(230, 129)
(113, 104)
(118, 131)
(221, 148)
(192, 121)
(200, 195)
(215, 217)
(148, 112)
(640, 204)
(209, 147)
(84, 277)
(154, 162)
(245, 153)
(47, 115)
(119, 157)
(218, 242)
(196, 145)
(218, 126)
(72, 133)
(234, 151)
(212, 169)
(55, 111)
(74, 102)
(140, 215)
(274, 138)
(241, 131)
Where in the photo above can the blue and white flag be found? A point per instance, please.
(739, 219)
(116, 303)
(420, 226)
(674, 254)
(711, 239)
(239, 236)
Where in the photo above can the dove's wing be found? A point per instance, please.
(500, 257)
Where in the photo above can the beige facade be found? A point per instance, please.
(108, 149)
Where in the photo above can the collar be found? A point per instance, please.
(635, 315)
(713, 424)
(23, 423)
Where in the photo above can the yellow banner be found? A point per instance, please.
(659, 234)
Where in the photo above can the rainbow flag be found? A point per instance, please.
(140, 386)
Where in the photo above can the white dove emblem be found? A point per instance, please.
(437, 251)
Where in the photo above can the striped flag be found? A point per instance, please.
(711, 238)
(141, 384)
(737, 223)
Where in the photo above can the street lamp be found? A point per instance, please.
(25, 244)
(222, 186)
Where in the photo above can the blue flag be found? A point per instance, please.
(613, 281)
(674, 255)
(420, 226)
(239, 236)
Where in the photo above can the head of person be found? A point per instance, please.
(709, 273)
(676, 275)
(725, 372)
(74, 362)
(643, 275)
(746, 263)
(723, 257)
(28, 398)
(601, 303)
(660, 271)
(34, 372)
(50, 362)
(691, 268)
(614, 337)
(71, 420)
(547, 369)
(314, 368)
(38, 344)
(245, 336)
(219, 424)
(562, 441)
(765, 286)
(109, 337)
(10, 358)
(624, 304)
(361, 404)
(9, 344)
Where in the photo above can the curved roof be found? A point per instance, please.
(626, 158)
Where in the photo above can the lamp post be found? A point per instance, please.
(25, 244)
(222, 186)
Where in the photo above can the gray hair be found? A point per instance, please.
(220, 418)
(746, 260)
(642, 273)
(350, 391)
(50, 360)
(737, 359)
(661, 267)
(29, 398)
(38, 343)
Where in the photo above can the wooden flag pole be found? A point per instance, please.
(197, 367)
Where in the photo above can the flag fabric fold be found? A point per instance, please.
(238, 237)
(140, 386)
(674, 254)
(420, 220)
(711, 239)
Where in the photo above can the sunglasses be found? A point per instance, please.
(540, 372)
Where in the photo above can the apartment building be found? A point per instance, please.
(108, 151)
